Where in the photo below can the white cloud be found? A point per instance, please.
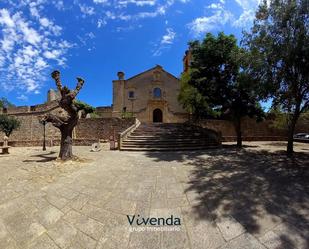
(59, 5)
(119, 9)
(5, 18)
(245, 19)
(22, 97)
(221, 15)
(86, 10)
(100, 1)
(28, 48)
(101, 23)
(248, 13)
(52, 54)
(45, 22)
(169, 37)
(124, 3)
(165, 42)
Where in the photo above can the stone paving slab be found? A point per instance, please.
(225, 199)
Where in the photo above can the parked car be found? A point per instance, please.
(302, 135)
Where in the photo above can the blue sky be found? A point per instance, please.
(97, 38)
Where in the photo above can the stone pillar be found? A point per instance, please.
(5, 141)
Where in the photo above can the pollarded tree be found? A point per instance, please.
(279, 46)
(67, 122)
(218, 72)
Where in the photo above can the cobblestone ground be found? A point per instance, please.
(225, 198)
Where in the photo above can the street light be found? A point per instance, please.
(43, 122)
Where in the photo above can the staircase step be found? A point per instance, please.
(174, 135)
(169, 148)
(169, 137)
(168, 142)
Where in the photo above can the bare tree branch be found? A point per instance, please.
(55, 120)
(56, 76)
(80, 83)
(65, 123)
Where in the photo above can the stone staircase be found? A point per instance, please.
(170, 137)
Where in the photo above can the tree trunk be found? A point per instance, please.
(66, 143)
(291, 131)
(65, 123)
(237, 125)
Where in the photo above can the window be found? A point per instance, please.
(157, 92)
(131, 95)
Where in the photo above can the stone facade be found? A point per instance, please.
(90, 130)
(104, 111)
(86, 132)
(150, 96)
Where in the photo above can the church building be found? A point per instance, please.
(151, 96)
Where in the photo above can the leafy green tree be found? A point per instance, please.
(192, 100)
(84, 107)
(218, 72)
(279, 46)
(4, 103)
(8, 124)
(280, 119)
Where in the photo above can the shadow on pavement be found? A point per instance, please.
(41, 158)
(250, 186)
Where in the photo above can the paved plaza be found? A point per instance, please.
(225, 198)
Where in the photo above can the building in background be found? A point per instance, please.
(151, 96)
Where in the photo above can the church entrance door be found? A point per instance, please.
(157, 116)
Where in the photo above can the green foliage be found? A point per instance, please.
(280, 119)
(192, 100)
(8, 124)
(4, 103)
(304, 116)
(279, 47)
(218, 72)
(219, 80)
(127, 115)
(94, 115)
(279, 43)
(80, 105)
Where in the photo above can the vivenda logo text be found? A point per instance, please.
(153, 221)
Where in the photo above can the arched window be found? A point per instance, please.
(157, 92)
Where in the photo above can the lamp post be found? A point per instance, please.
(132, 102)
(43, 122)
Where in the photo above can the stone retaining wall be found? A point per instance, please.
(86, 132)
(251, 130)
(91, 130)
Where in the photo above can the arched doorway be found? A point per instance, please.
(157, 116)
